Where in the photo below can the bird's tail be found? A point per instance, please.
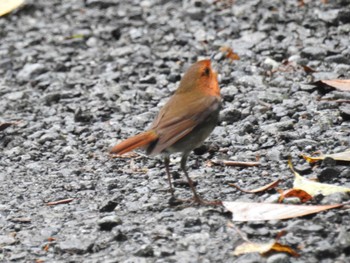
(132, 143)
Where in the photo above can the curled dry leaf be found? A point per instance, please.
(299, 193)
(314, 188)
(7, 6)
(264, 249)
(343, 156)
(244, 211)
(229, 53)
(260, 189)
(339, 84)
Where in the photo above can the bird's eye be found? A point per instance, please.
(206, 72)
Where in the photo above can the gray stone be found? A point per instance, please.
(7, 240)
(278, 258)
(30, 71)
(75, 245)
(108, 222)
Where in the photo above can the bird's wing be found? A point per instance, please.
(179, 117)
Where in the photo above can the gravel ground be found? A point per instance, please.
(78, 76)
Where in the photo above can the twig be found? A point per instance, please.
(233, 163)
(63, 201)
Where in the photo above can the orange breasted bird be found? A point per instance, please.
(183, 123)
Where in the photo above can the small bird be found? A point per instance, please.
(183, 123)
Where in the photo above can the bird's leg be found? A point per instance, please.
(196, 197)
(166, 163)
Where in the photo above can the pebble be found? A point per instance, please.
(30, 71)
(75, 245)
(278, 258)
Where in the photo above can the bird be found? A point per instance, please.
(184, 122)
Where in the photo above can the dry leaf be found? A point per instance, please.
(229, 53)
(260, 189)
(7, 6)
(263, 249)
(343, 156)
(314, 188)
(301, 194)
(244, 211)
(339, 84)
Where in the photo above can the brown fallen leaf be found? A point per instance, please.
(63, 201)
(7, 6)
(260, 189)
(229, 53)
(299, 193)
(264, 249)
(232, 163)
(343, 156)
(339, 84)
(246, 211)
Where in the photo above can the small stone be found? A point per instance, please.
(51, 136)
(304, 168)
(278, 258)
(52, 98)
(7, 240)
(145, 251)
(116, 33)
(273, 154)
(303, 143)
(173, 77)
(328, 174)
(324, 250)
(335, 198)
(249, 258)
(274, 128)
(339, 59)
(15, 96)
(148, 80)
(30, 71)
(291, 200)
(314, 52)
(192, 221)
(75, 245)
(345, 112)
(120, 236)
(230, 115)
(194, 13)
(108, 222)
(344, 16)
(344, 238)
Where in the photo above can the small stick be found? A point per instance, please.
(63, 201)
(233, 163)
